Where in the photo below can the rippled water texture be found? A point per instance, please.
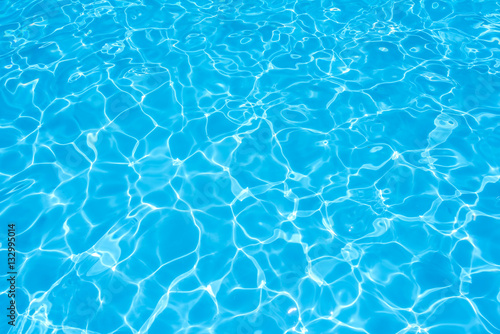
(251, 167)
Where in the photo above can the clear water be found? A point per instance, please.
(237, 167)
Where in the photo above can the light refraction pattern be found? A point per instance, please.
(237, 167)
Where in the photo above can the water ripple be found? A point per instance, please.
(259, 167)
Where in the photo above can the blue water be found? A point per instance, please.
(251, 167)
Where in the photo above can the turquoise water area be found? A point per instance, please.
(251, 167)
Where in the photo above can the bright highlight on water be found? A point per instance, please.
(250, 167)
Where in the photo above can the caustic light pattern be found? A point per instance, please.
(237, 167)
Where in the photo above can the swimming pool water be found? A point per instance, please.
(237, 167)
